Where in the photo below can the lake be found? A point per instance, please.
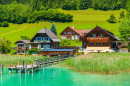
(59, 76)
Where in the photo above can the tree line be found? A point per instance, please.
(71, 4)
(24, 13)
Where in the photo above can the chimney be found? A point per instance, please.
(73, 27)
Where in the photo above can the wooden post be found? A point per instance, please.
(23, 62)
(25, 69)
(39, 66)
(1, 68)
(18, 62)
(32, 67)
(20, 72)
(43, 65)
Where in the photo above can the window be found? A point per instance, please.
(73, 32)
(46, 46)
(56, 45)
(99, 43)
(68, 32)
(84, 43)
(89, 36)
(64, 32)
(38, 38)
(91, 43)
(119, 43)
(97, 30)
(94, 35)
(102, 35)
(63, 37)
(46, 38)
(96, 43)
(104, 43)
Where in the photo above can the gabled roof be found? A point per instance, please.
(50, 34)
(109, 33)
(86, 30)
(79, 32)
(22, 41)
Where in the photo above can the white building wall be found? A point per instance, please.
(123, 50)
(73, 37)
(29, 46)
(63, 37)
(77, 37)
(39, 45)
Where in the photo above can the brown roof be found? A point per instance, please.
(110, 33)
(49, 33)
(86, 30)
(22, 41)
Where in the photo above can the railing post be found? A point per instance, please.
(20, 72)
(32, 67)
(1, 68)
(25, 69)
(23, 62)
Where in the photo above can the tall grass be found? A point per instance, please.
(13, 59)
(109, 63)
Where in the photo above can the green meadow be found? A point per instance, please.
(102, 63)
(82, 19)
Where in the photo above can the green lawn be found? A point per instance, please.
(83, 19)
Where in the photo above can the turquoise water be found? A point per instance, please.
(58, 76)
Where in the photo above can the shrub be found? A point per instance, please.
(5, 24)
(112, 19)
(0, 24)
(77, 54)
(33, 51)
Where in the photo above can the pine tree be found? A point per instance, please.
(53, 29)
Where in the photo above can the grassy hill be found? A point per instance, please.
(83, 19)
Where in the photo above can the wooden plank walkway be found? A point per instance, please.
(37, 64)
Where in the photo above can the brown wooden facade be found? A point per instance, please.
(98, 37)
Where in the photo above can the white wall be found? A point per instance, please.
(124, 50)
(39, 45)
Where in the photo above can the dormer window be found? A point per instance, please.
(102, 35)
(94, 35)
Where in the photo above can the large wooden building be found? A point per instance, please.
(71, 33)
(44, 39)
(99, 39)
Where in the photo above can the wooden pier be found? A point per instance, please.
(38, 64)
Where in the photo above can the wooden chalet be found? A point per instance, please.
(43, 39)
(71, 33)
(99, 39)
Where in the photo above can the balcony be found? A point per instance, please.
(21, 48)
(42, 41)
(97, 38)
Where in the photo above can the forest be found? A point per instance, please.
(71, 4)
(31, 11)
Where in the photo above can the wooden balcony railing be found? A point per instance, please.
(21, 48)
(97, 38)
(34, 47)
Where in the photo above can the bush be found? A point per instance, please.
(0, 24)
(13, 52)
(33, 51)
(77, 54)
(5, 24)
(112, 19)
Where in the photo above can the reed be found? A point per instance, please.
(13, 59)
(104, 63)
